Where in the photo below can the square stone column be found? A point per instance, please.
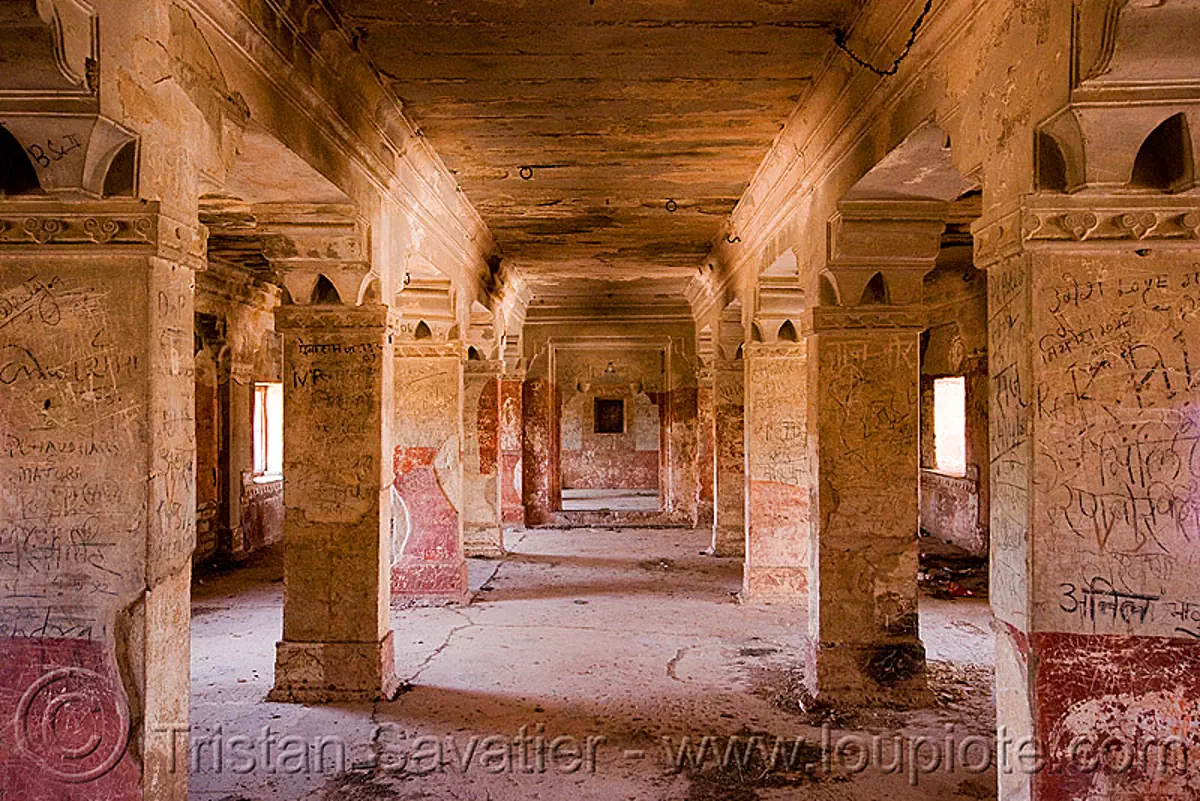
(539, 460)
(97, 497)
(512, 424)
(778, 476)
(1094, 344)
(427, 524)
(483, 530)
(864, 428)
(706, 450)
(729, 451)
(337, 639)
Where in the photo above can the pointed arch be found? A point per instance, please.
(1165, 161)
(876, 292)
(422, 331)
(17, 175)
(1051, 164)
(828, 291)
(325, 293)
(787, 332)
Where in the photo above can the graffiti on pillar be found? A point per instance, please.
(75, 515)
(778, 474)
(1117, 406)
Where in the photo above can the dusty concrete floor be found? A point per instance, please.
(584, 500)
(629, 635)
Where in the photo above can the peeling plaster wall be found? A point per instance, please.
(663, 352)
(631, 459)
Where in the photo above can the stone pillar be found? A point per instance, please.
(864, 434)
(1095, 519)
(337, 639)
(483, 530)
(729, 504)
(97, 497)
(512, 423)
(538, 451)
(679, 474)
(777, 472)
(427, 527)
(706, 450)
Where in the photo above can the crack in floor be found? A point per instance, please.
(674, 663)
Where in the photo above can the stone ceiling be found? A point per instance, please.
(616, 107)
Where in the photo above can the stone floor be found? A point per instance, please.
(593, 500)
(631, 638)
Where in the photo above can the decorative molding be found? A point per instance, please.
(298, 319)
(492, 368)
(1055, 221)
(831, 319)
(115, 225)
(1128, 224)
(775, 350)
(431, 350)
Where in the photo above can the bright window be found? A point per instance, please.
(950, 425)
(268, 429)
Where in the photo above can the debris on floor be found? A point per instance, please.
(948, 571)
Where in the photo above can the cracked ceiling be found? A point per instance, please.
(617, 106)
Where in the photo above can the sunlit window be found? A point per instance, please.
(950, 424)
(268, 429)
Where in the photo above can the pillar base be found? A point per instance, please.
(432, 582)
(729, 542)
(779, 584)
(331, 672)
(483, 542)
(869, 674)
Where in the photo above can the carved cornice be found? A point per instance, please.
(116, 226)
(1087, 222)
(298, 319)
(775, 350)
(487, 368)
(831, 319)
(432, 350)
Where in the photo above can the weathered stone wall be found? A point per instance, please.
(654, 361)
(1116, 462)
(628, 460)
